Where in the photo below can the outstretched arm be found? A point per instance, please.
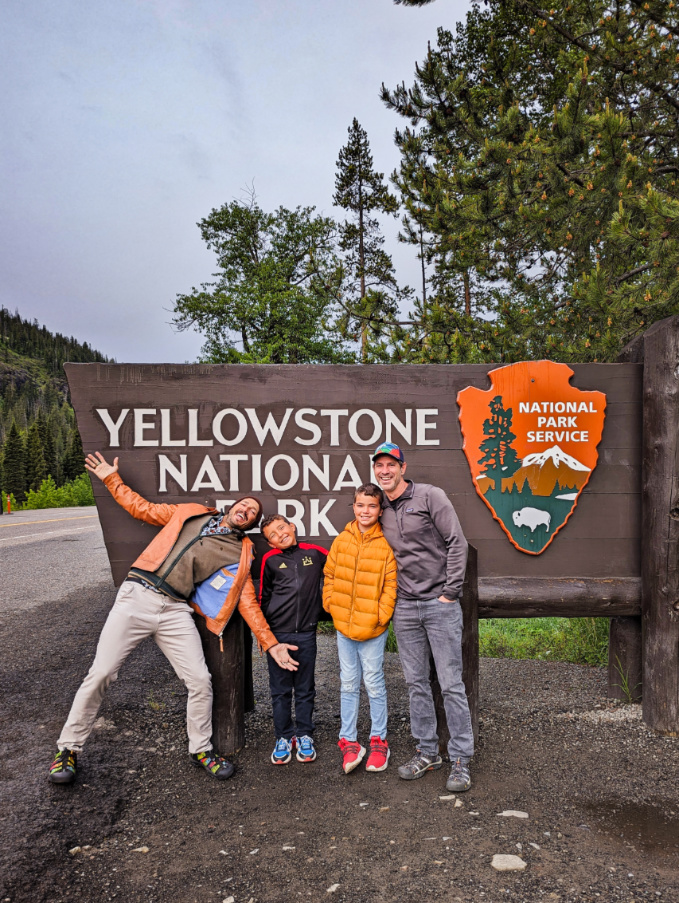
(135, 504)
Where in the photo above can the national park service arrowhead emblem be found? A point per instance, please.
(531, 443)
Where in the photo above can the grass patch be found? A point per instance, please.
(582, 641)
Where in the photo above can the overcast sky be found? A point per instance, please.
(124, 122)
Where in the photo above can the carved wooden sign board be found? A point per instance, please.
(527, 443)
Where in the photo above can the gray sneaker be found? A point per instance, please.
(418, 765)
(459, 778)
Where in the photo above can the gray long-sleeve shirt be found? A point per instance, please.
(422, 528)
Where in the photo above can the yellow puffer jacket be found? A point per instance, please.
(360, 582)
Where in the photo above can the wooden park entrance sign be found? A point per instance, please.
(301, 438)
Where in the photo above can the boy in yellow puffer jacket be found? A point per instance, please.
(360, 593)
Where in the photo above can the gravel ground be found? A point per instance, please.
(600, 791)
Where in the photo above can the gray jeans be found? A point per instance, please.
(423, 626)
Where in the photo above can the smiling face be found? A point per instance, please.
(367, 510)
(280, 535)
(390, 475)
(243, 514)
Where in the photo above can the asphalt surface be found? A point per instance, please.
(47, 554)
(575, 786)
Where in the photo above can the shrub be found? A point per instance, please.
(74, 494)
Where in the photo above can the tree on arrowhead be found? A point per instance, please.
(499, 455)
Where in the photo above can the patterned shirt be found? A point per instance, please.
(214, 525)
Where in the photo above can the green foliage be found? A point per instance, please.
(36, 468)
(74, 459)
(540, 163)
(583, 641)
(276, 290)
(13, 464)
(13, 502)
(371, 295)
(36, 420)
(71, 495)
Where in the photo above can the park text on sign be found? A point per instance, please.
(531, 444)
(259, 450)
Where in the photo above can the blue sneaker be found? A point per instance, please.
(282, 752)
(306, 751)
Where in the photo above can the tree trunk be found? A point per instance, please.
(660, 527)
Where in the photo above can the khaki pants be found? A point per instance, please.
(136, 614)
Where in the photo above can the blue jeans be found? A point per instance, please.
(366, 658)
(425, 626)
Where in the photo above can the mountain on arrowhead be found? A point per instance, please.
(546, 471)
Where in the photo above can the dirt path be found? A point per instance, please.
(601, 792)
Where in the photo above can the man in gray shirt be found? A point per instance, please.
(422, 528)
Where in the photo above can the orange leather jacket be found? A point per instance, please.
(172, 518)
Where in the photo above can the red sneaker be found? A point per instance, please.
(352, 754)
(379, 755)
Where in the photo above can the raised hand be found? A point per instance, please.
(98, 465)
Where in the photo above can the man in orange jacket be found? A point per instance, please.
(194, 542)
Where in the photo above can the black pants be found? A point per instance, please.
(282, 684)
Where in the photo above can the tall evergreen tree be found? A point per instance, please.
(74, 459)
(371, 301)
(47, 442)
(541, 154)
(36, 468)
(14, 465)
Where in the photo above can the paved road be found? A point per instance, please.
(47, 554)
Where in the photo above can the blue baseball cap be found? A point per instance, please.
(388, 448)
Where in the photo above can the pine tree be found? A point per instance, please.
(14, 465)
(36, 468)
(541, 155)
(371, 302)
(47, 441)
(74, 459)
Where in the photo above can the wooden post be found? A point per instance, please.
(624, 659)
(660, 527)
(470, 656)
(227, 670)
(625, 678)
(248, 682)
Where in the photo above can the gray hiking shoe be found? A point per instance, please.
(419, 765)
(459, 778)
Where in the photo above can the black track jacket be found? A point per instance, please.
(290, 587)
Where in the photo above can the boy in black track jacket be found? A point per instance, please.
(291, 600)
